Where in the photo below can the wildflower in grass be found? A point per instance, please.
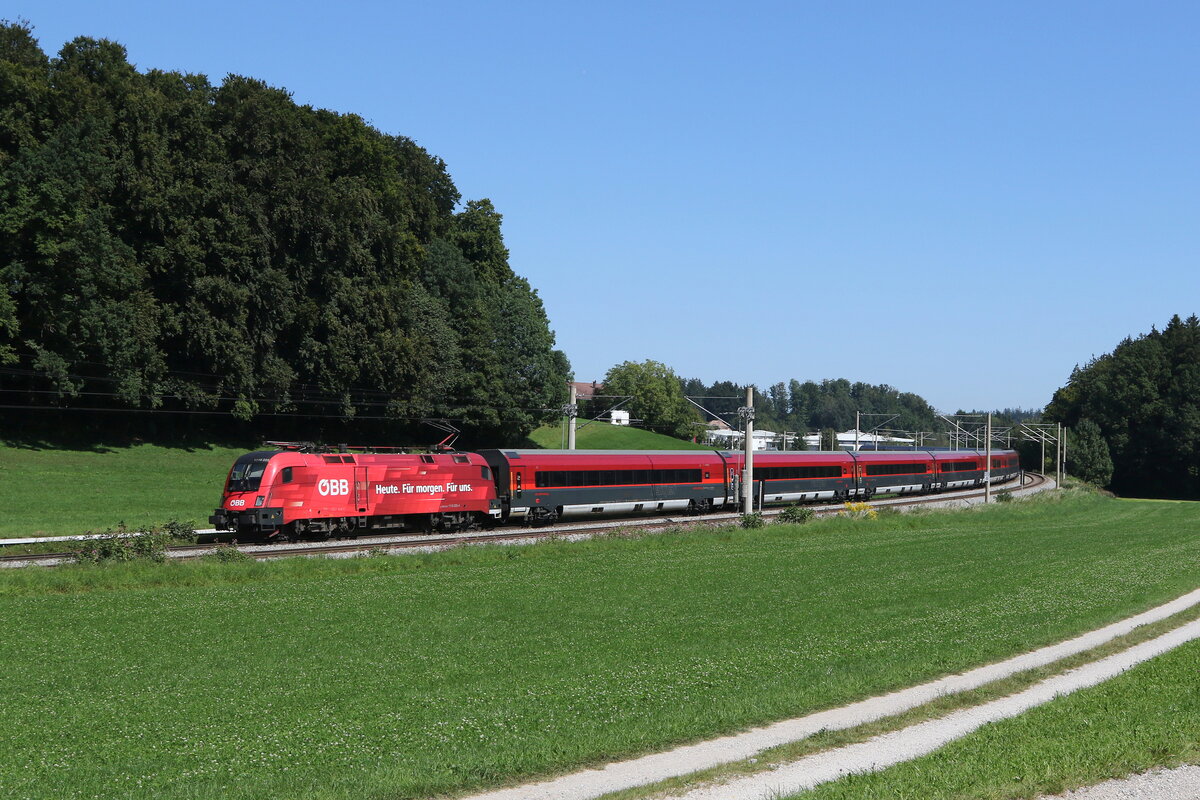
(861, 511)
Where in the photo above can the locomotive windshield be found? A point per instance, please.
(247, 474)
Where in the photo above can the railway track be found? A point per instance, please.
(563, 531)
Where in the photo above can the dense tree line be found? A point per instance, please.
(810, 406)
(168, 243)
(659, 400)
(1136, 411)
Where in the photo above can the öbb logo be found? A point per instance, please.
(333, 486)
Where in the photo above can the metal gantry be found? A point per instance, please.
(858, 427)
(1053, 433)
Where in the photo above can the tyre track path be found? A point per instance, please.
(880, 751)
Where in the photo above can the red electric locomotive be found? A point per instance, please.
(296, 491)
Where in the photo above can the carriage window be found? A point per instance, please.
(551, 479)
(796, 473)
(895, 469)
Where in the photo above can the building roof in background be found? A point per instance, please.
(585, 390)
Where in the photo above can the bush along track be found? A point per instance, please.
(122, 544)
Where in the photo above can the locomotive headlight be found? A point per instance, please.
(258, 501)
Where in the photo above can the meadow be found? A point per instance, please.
(409, 676)
(66, 492)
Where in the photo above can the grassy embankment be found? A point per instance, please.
(62, 492)
(406, 676)
(605, 436)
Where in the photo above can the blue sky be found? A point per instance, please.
(962, 200)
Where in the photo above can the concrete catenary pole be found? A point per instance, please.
(748, 472)
(987, 475)
(572, 413)
(1058, 461)
(857, 425)
(1064, 447)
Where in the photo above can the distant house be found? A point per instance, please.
(735, 440)
(586, 391)
(847, 440)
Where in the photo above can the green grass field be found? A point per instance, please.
(604, 436)
(1146, 717)
(407, 676)
(52, 492)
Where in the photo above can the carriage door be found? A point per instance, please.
(360, 489)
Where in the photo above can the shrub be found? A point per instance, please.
(751, 521)
(796, 515)
(180, 532)
(123, 545)
(1004, 497)
(227, 554)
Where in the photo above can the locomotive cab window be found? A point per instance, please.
(247, 474)
(286, 475)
